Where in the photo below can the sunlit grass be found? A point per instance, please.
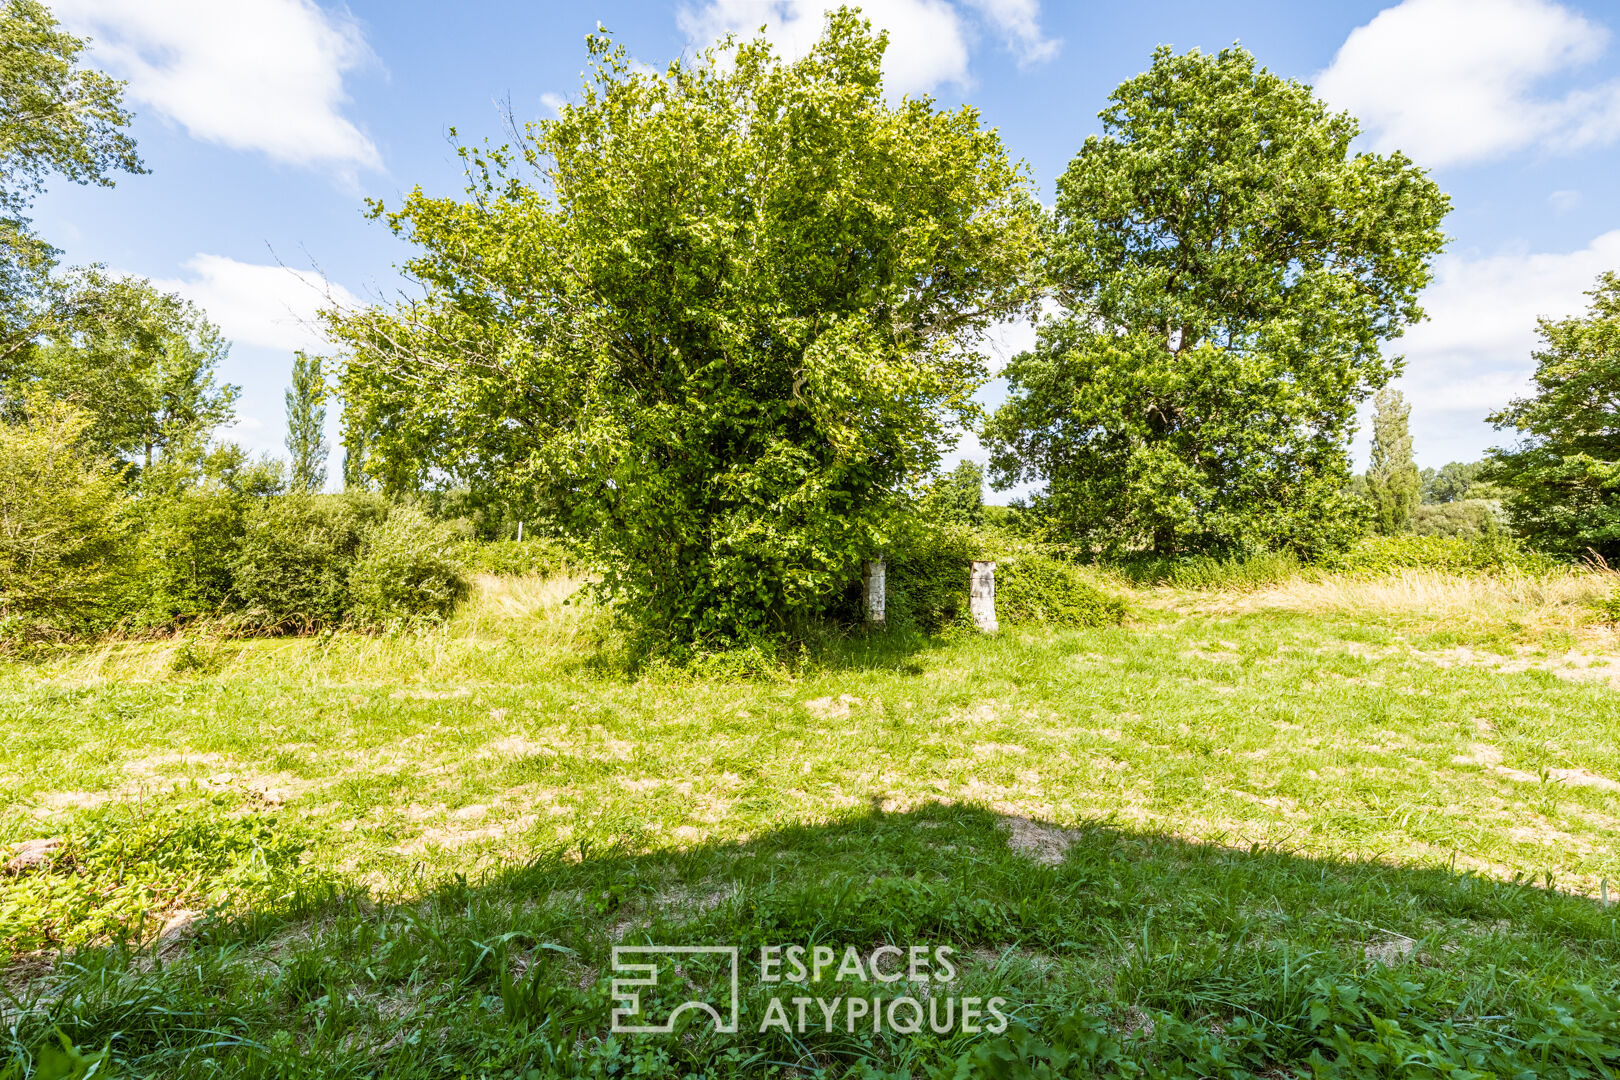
(1325, 723)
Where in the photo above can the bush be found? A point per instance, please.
(1471, 519)
(410, 567)
(1207, 572)
(188, 514)
(60, 542)
(926, 576)
(297, 555)
(1450, 554)
(1035, 587)
(536, 555)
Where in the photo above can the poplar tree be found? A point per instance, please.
(306, 424)
(1393, 482)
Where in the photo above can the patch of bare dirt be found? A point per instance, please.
(828, 708)
(1037, 841)
(1389, 949)
(1571, 666)
(1213, 656)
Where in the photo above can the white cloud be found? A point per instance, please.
(263, 75)
(1456, 81)
(929, 40)
(554, 102)
(1019, 24)
(256, 305)
(1564, 201)
(1473, 355)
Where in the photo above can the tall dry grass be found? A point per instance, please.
(531, 622)
(1564, 599)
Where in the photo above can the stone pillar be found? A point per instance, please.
(872, 589)
(983, 596)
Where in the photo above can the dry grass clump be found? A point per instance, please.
(1564, 599)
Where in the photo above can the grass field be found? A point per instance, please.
(1342, 826)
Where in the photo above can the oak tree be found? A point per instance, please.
(1226, 270)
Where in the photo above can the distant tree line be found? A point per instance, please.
(117, 508)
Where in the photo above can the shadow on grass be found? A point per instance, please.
(1113, 951)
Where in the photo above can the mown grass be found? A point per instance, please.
(1249, 826)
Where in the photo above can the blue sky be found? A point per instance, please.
(266, 122)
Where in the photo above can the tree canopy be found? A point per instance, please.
(1564, 476)
(56, 118)
(1226, 270)
(141, 361)
(713, 320)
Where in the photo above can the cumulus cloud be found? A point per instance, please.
(1456, 81)
(261, 75)
(929, 40)
(1473, 355)
(258, 305)
(1018, 22)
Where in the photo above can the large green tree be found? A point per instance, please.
(141, 361)
(1394, 484)
(1227, 270)
(1563, 478)
(714, 320)
(56, 118)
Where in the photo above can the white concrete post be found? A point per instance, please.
(982, 596)
(872, 589)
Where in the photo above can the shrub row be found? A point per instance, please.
(291, 562)
(1375, 555)
(532, 556)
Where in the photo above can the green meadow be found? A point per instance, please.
(1332, 825)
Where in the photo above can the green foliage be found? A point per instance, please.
(60, 535)
(1393, 482)
(713, 321)
(1228, 270)
(531, 556)
(928, 581)
(58, 1059)
(957, 497)
(1033, 586)
(927, 574)
(1471, 519)
(410, 568)
(1453, 482)
(1563, 479)
(306, 424)
(122, 870)
(298, 551)
(141, 361)
(1374, 555)
(56, 117)
(187, 520)
(1252, 571)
